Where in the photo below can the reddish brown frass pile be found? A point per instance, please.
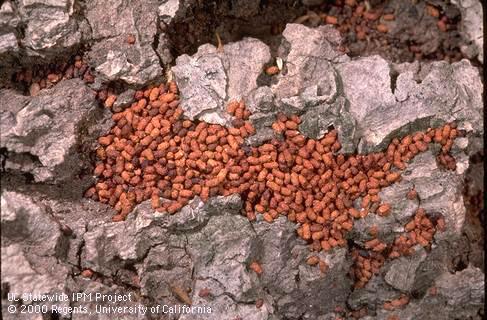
(397, 303)
(420, 230)
(362, 21)
(365, 265)
(46, 77)
(154, 153)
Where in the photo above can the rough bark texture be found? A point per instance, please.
(46, 140)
